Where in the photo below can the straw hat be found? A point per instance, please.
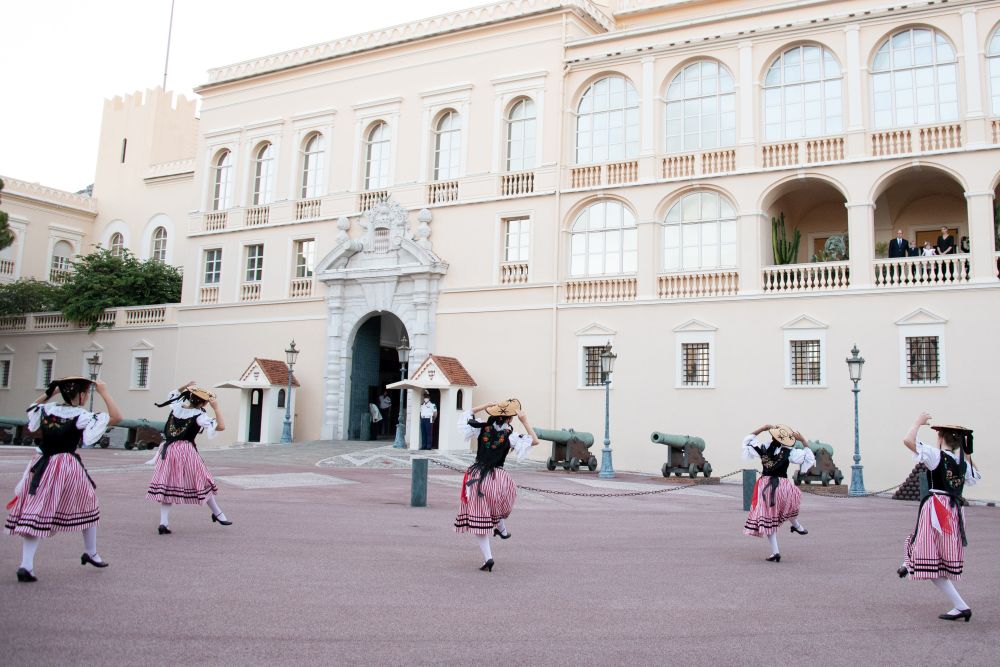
(507, 408)
(73, 378)
(952, 427)
(782, 434)
(203, 394)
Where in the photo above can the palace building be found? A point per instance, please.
(709, 186)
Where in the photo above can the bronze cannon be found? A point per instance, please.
(142, 433)
(686, 454)
(570, 448)
(824, 471)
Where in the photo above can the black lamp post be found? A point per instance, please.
(291, 355)
(607, 368)
(403, 350)
(854, 364)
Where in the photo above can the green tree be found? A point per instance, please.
(6, 233)
(104, 280)
(29, 296)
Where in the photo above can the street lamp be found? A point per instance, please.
(291, 354)
(403, 350)
(607, 368)
(94, 364)
(854, 364)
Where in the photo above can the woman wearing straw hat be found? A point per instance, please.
(488, 492)
(56, 494)
(775, 500)
(935, 549)
(180, 477)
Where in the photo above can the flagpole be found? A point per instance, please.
(170, 30)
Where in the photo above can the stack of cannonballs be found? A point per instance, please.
(910, 490)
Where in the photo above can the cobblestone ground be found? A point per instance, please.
(326, 563)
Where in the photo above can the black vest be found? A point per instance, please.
(59, 435)
(493, 447)
(774, 459)
(181, 429)
(949, 476)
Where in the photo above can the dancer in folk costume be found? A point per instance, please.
(775, 498)
(935, 549)
(180, 477)
(488, 492)
(56, 494)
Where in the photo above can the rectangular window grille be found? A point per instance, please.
(517, 235)
(696, 361)
(5, 373)
(805, 362)
(305, 258)
(141, 372)
(46, 374)
(213, 266)
(255, 263)
(592, 365)
(922, 360)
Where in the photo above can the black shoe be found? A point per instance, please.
(774, 558)
(487, 566)
(163, 530)
(902, 571)
(965, 613)
(86, 558)
(800, 532)
(502, 536)
(216, 519)
(24, 576)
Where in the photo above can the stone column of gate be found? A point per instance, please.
(333, 385)
(982, 239)
(861, 237)
(754, 245)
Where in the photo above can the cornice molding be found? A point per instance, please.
(15, 187)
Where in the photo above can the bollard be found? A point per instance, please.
(418, 484)
(749, 479)
(924, 487)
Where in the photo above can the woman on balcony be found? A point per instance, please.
(775, 498)
(935, 549)
(488, 492)
(56, 494)
(180, 477)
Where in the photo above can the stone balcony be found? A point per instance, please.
(114, 318)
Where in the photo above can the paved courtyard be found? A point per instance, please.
(326, 564)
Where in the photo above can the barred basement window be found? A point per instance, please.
(805, 362)
(592, 366)
(923, 364)
(4, 373)
(46, 372)
(141, 372)
(696, 360)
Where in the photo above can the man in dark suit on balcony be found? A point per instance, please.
(899, 247)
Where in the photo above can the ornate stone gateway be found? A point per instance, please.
(381, 267)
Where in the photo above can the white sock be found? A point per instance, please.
(948, 588)
(502, 527)
(773, 539)
(29, 545)
(90, 542)
(164, 514)
(798, 526)
(214, 506)
(484, 546)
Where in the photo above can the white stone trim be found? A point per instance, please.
(42, 357)
(799, 333)
(137, 354)
(691, 335)
(594, 335)
(925, 328)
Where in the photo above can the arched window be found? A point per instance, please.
(521, 136)
(914, 80)
(603, 240)
(377, 157)
(701, 108)
(993, 61)
(447, 146)
(281, 398)
(158, 250)
(803, 95)
(313, 166)
(607, 122)
(458, 399)
(263, 174)
(699, 232)
(62, 254)
(222, 195)
(117, 244)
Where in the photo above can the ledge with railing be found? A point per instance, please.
(922, 271)
(612, 173)
(208, 294)
(59, 276)
(300, 288)
(813, 277)
(900, 141)
(602, 290)
(442, 192)
(804, 151)
(701, 284)
(698, 164)
(368, 199)
(307, 209)
(257, 216)
(517, 183)
(513, 273)
(131, 317)
(250, 291)
(7, 267)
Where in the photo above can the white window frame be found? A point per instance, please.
(677, 101)
(448, 159)
(380, 180)
(264, 165)
(801, 335)
(594, 335)
(893, 92)
(695, 228)
(7, 357)
(295, 257)
(246, 263)
(159, 246)
(117, 249)
(19, 226)
(919, 330)
(694, 335)
(588, 122)
(505, 234)
(506, 91)
(39, 379)
(204, 267)
(312, 166)
(527, 147)
(993, 72)
(222, 182)
(798, 101)
(589, 234)
(134, 370)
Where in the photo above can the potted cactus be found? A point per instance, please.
(785, 251)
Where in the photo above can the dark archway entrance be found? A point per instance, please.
(374, 364)
(256, 413)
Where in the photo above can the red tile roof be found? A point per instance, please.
(454, 370)
(276, 372)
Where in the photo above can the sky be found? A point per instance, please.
(62, 58)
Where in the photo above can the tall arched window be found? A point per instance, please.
(914, 80)
(263, 174)
(607, 122)
(62, 255)
(158, 250)
(222, 191)
(377, 157)
(521, 136)
(603, 240)
(701, 108)
(313, 166)
(699, 232)
(117, 244)
(993, 60)
(447, 146)
(803, 95)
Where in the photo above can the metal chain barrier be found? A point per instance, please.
(805, 487)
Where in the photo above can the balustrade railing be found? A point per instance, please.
(597, 290)
(132, 316)
(7, 267)
(307, 209)
(695, 285)
(995, 130)
(780, 155)
(145, 315)
(216, 221)
(922, 271)
(300, 288)
(371, 197)
(442, 192)
(585, 177)
(718, 162)
(48, 321)
(623, 172)
(13, 323)
(677, 166)
(940, 137)
(208, 294)
(250, 292)
(814, 277)
(258, 215)
(827, 149)
(891, 142)
(517, 183)
(513, 273)
(59, 276)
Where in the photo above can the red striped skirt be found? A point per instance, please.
(64, 501)
(479, 514)
(934, 555)
(181, 477)
(764, 518)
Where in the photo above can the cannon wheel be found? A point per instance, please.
(798, 479)
(565, 465)
(708, 469)
(152, 445)
(693, 471)
(129, 445)
(551, 463)
(592, 463)
(28, 441)
(824, 477)
(838, 477)
(665, 470)
(678, 473)
(574, 464)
